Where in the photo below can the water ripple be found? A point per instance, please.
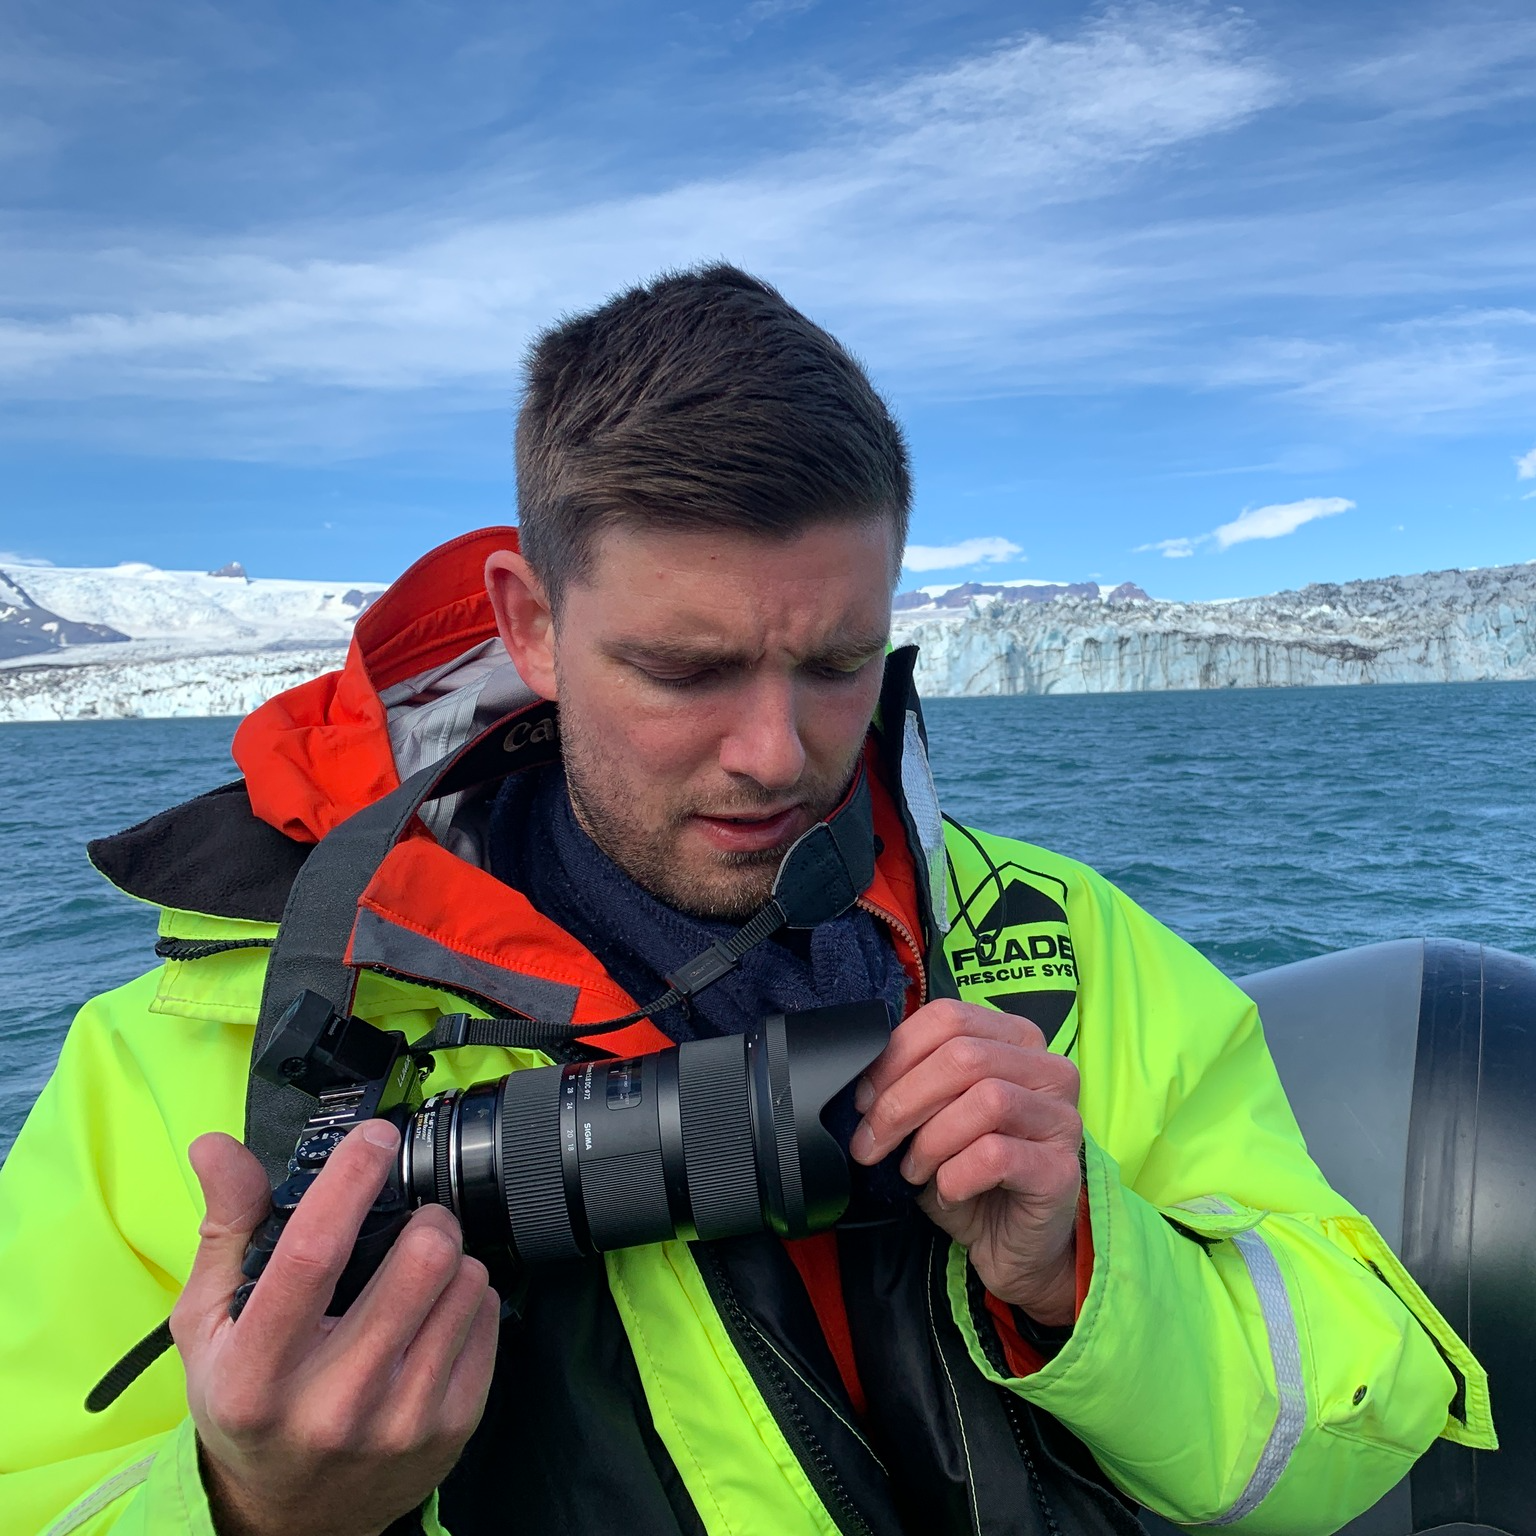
(1263, 826)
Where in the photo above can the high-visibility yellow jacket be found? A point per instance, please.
(1249, 1352)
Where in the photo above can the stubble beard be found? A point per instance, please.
(721, 885)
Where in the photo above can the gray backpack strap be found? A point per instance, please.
(309, 953)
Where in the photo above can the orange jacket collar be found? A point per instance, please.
(320, 751)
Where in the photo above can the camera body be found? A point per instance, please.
(714, 1138)
(354, 1073)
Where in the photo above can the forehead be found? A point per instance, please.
(828, 578)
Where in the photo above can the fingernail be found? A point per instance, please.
(863, 1095)
(381, 1133)
(863, 1143)
(906, 1170)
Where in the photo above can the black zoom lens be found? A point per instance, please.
(717, 1138)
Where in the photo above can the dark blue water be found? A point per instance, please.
(1264, 826)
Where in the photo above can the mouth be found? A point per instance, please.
(755, 833)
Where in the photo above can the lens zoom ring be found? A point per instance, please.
(626, 1200)
(532, 1176)
(717, 1137)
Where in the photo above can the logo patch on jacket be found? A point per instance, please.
(1010, 946)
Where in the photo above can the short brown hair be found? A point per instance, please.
(701, 400)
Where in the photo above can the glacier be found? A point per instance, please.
(181, 642)
(217, 645)
(1443, 626)
(132, 681)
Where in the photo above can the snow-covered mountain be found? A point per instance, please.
(1445, 626)
(28, 628)
(958, 596)
(145, 603)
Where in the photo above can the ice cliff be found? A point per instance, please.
(156, 682)
(1445, 626)
(221, 644)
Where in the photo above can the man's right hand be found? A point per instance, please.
(334, 1426)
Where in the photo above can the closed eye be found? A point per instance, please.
(840, 671)
(679, 681)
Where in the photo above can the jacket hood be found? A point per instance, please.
(425, 670)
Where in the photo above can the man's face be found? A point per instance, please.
(715, 691)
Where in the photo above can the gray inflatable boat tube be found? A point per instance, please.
(1411, 1067)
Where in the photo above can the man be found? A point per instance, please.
(1119, 1278)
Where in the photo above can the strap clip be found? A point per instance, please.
(451, 1031)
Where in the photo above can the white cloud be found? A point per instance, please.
(1274, 522)
(1525, 466)
(10, 557)
(1271, 522)
(1436, 372)
(951, 557)
(896, 227)
(1169, 549)
(1053, 213)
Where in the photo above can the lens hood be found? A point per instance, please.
(798, 1063)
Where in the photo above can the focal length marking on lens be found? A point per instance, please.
(570, 1155)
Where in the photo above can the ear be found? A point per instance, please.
(523, 619)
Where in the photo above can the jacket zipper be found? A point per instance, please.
(812, 1455)
(1015, 1411)
(204, 949)
(1011, 1406)
(905, 933)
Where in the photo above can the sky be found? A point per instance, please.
(1216, 299)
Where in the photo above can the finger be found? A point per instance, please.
(429, 1360)
(469, 1382)
(280, 1320)
(991, 1106)
(379, 1326)
(934, 1023)
(950, 1070)
(1037, 1170)
(236, 1198)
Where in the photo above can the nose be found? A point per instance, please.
(763, 742)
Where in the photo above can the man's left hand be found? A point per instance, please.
(995, 1138)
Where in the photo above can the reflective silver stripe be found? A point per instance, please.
(1285, 1355)
(99, 1497)
(923, 805)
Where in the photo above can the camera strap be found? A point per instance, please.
(821, 875)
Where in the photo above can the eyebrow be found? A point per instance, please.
(666, 652)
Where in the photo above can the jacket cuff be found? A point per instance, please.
(173, 1497)
(1143, 1302)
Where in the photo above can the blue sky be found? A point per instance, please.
(1218, 300)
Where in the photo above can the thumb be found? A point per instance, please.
(237, 1197)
